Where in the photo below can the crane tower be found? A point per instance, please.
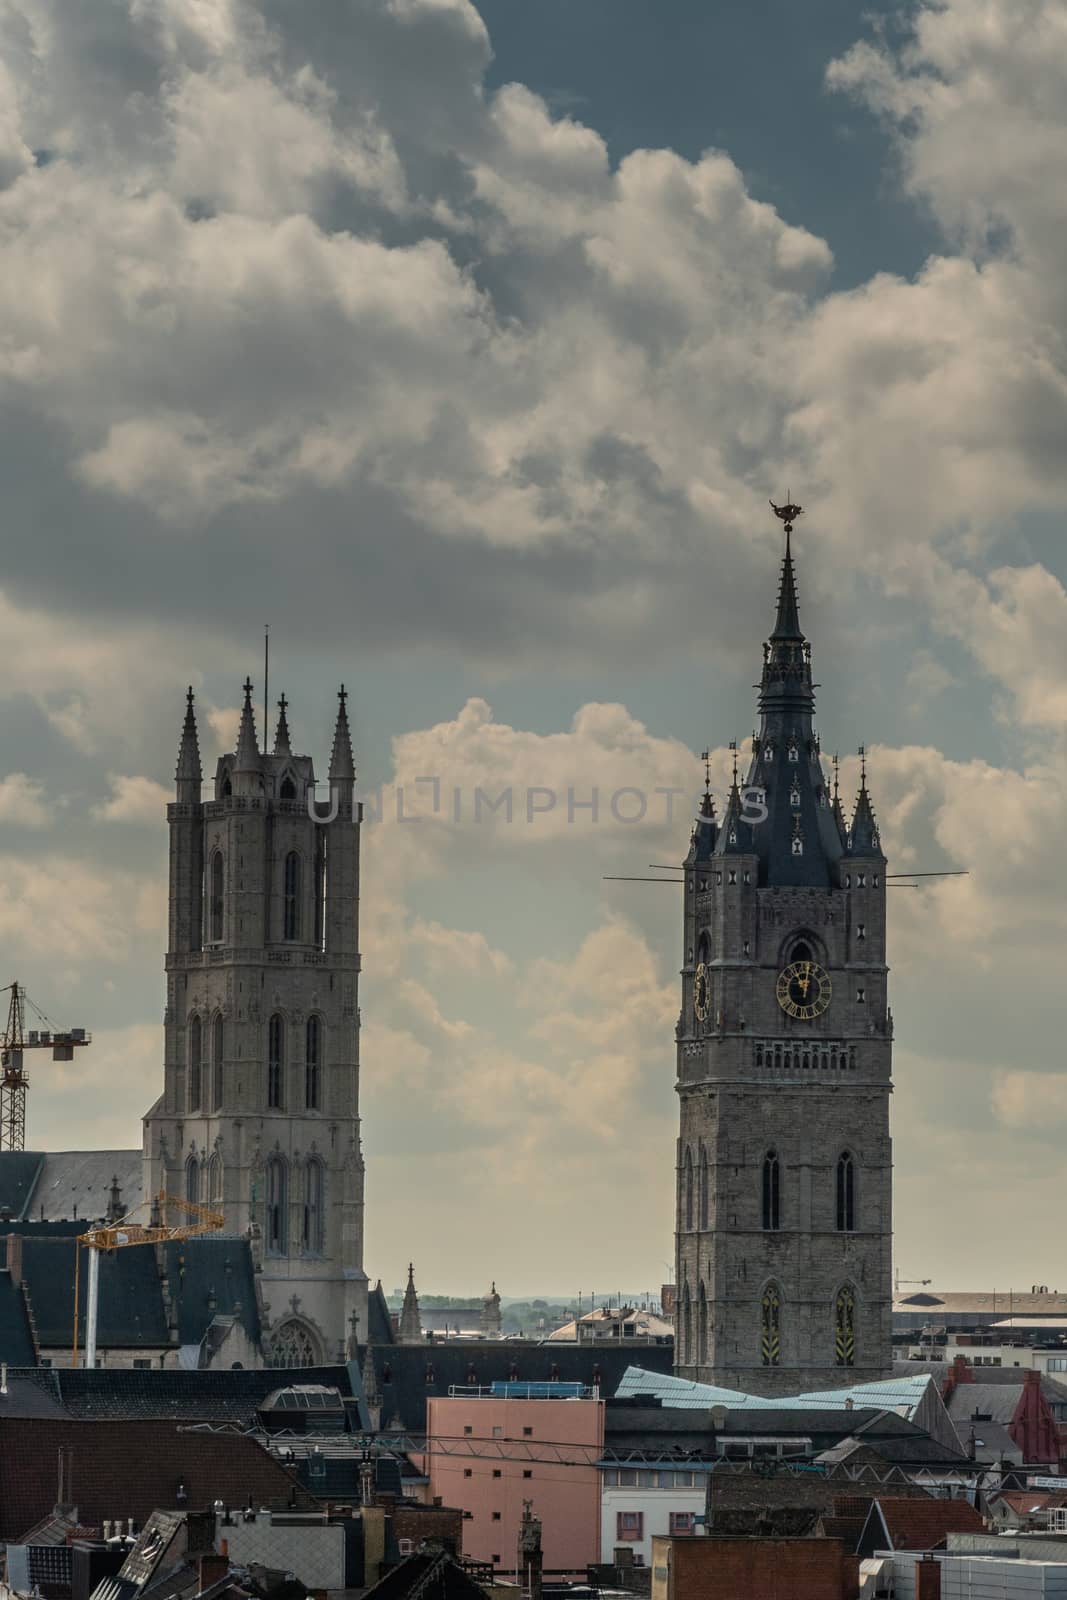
(15, 1040)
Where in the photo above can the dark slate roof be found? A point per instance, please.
(131, 1302)
(427, 1573)
(130, 1394)
(16, 1339)
(19, 1170)
(668, 1432)
(379, 1321)
(407, 1374)
(131, 1469)
(77, 1183)
(209, 1277)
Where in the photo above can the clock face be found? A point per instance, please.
(804, 990)
(700, 993)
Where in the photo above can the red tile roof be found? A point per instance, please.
(128, 1469)
(924, 1524)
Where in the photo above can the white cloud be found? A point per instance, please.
(134, 799)
(22, 801)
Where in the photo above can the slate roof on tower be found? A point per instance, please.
(800, 842)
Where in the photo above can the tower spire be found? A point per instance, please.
(410, 1328)
(281, 736)
(342, 767)
(787, 622)
(863, 839)
(247, 743)
(189, 774)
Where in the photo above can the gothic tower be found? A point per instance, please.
(784, 1043)
(259, 1114)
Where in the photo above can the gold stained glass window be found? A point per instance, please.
(770, 1326)
(845, 1327)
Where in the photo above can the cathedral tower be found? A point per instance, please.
(259, 1114)
(784, 1043)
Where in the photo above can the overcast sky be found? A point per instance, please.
(465, 347)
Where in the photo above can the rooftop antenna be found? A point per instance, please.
(705, 756)
(266, 679)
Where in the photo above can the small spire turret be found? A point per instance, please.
(281, 736)
(189, 774)
(342, 766)
(247, 742)
(864, 839)
(410, 1329)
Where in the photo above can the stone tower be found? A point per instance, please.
(784, 1043)
(259, 1114)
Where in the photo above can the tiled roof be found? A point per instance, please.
(435, 1574)
(77, 1183)
(998, 1401)
(407, 1374)
(209, 1277)
(923, 1524)
(19, 1170)
(16, 1339)
(131, 1301)
(127, 1393)
(130, 1469)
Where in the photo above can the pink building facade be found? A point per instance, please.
(488, 1451)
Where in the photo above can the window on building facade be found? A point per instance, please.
(218, 1040)
(276, 1062)
(703, 1187)
(772, 1192)
(702, 1324)
(214, 1180)
(312, 1063)
(683, 1522)
(687, 1326)
(629, 1526)
(688, 1181)
(196, 1046)
(192, 1180)
(313, 1207)
(217, 898)
(320, 889)
(846, 1193)
(277, 1230)
(293, 1346)
(845, 1327)
(291, 905)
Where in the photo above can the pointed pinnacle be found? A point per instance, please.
(247, 743)
(281, 736)
(189, 749)
(342, 767)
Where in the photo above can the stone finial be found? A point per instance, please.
(189, 774)
(410, 1329)
(342, 766)
(281, 735)
(247, 742)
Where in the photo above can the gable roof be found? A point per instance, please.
(431, 1572)
(130, 1469)
(19, 1170)
(900, 1522)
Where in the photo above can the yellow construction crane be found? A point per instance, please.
(13, 1080)
(120, 1236)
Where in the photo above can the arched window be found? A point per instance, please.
(218, 886)
(313, 1216)
(702, 1323)
(703, 1187)
(801, 951)
(320, 889)
(772, 1192)
(846, 1193)
(313, 1063)
(687, 1326)
(293, 1346)
(214, 1180)
(276, 1062)
(770, 1341)
(218, 1040)
(277, 1240)
(196, 1046)
(291, 916)
(192, 1180)
(288, 789)
(845, 1327)
(689, 1188)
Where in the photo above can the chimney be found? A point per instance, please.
(212, 1568)
(3, 1377)
(14, 1257)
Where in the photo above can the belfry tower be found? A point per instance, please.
(259, 1114)
(784, 1209)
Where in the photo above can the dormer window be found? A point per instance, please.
(794, 796)
(731, 837)
(861, 880)
(794, 750)
(877, 880)
(748, 877)
(861, 931)
(768, 752)
(861, 996)
(732, 878)
(798, 846)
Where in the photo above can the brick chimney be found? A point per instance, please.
(212, 1568)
